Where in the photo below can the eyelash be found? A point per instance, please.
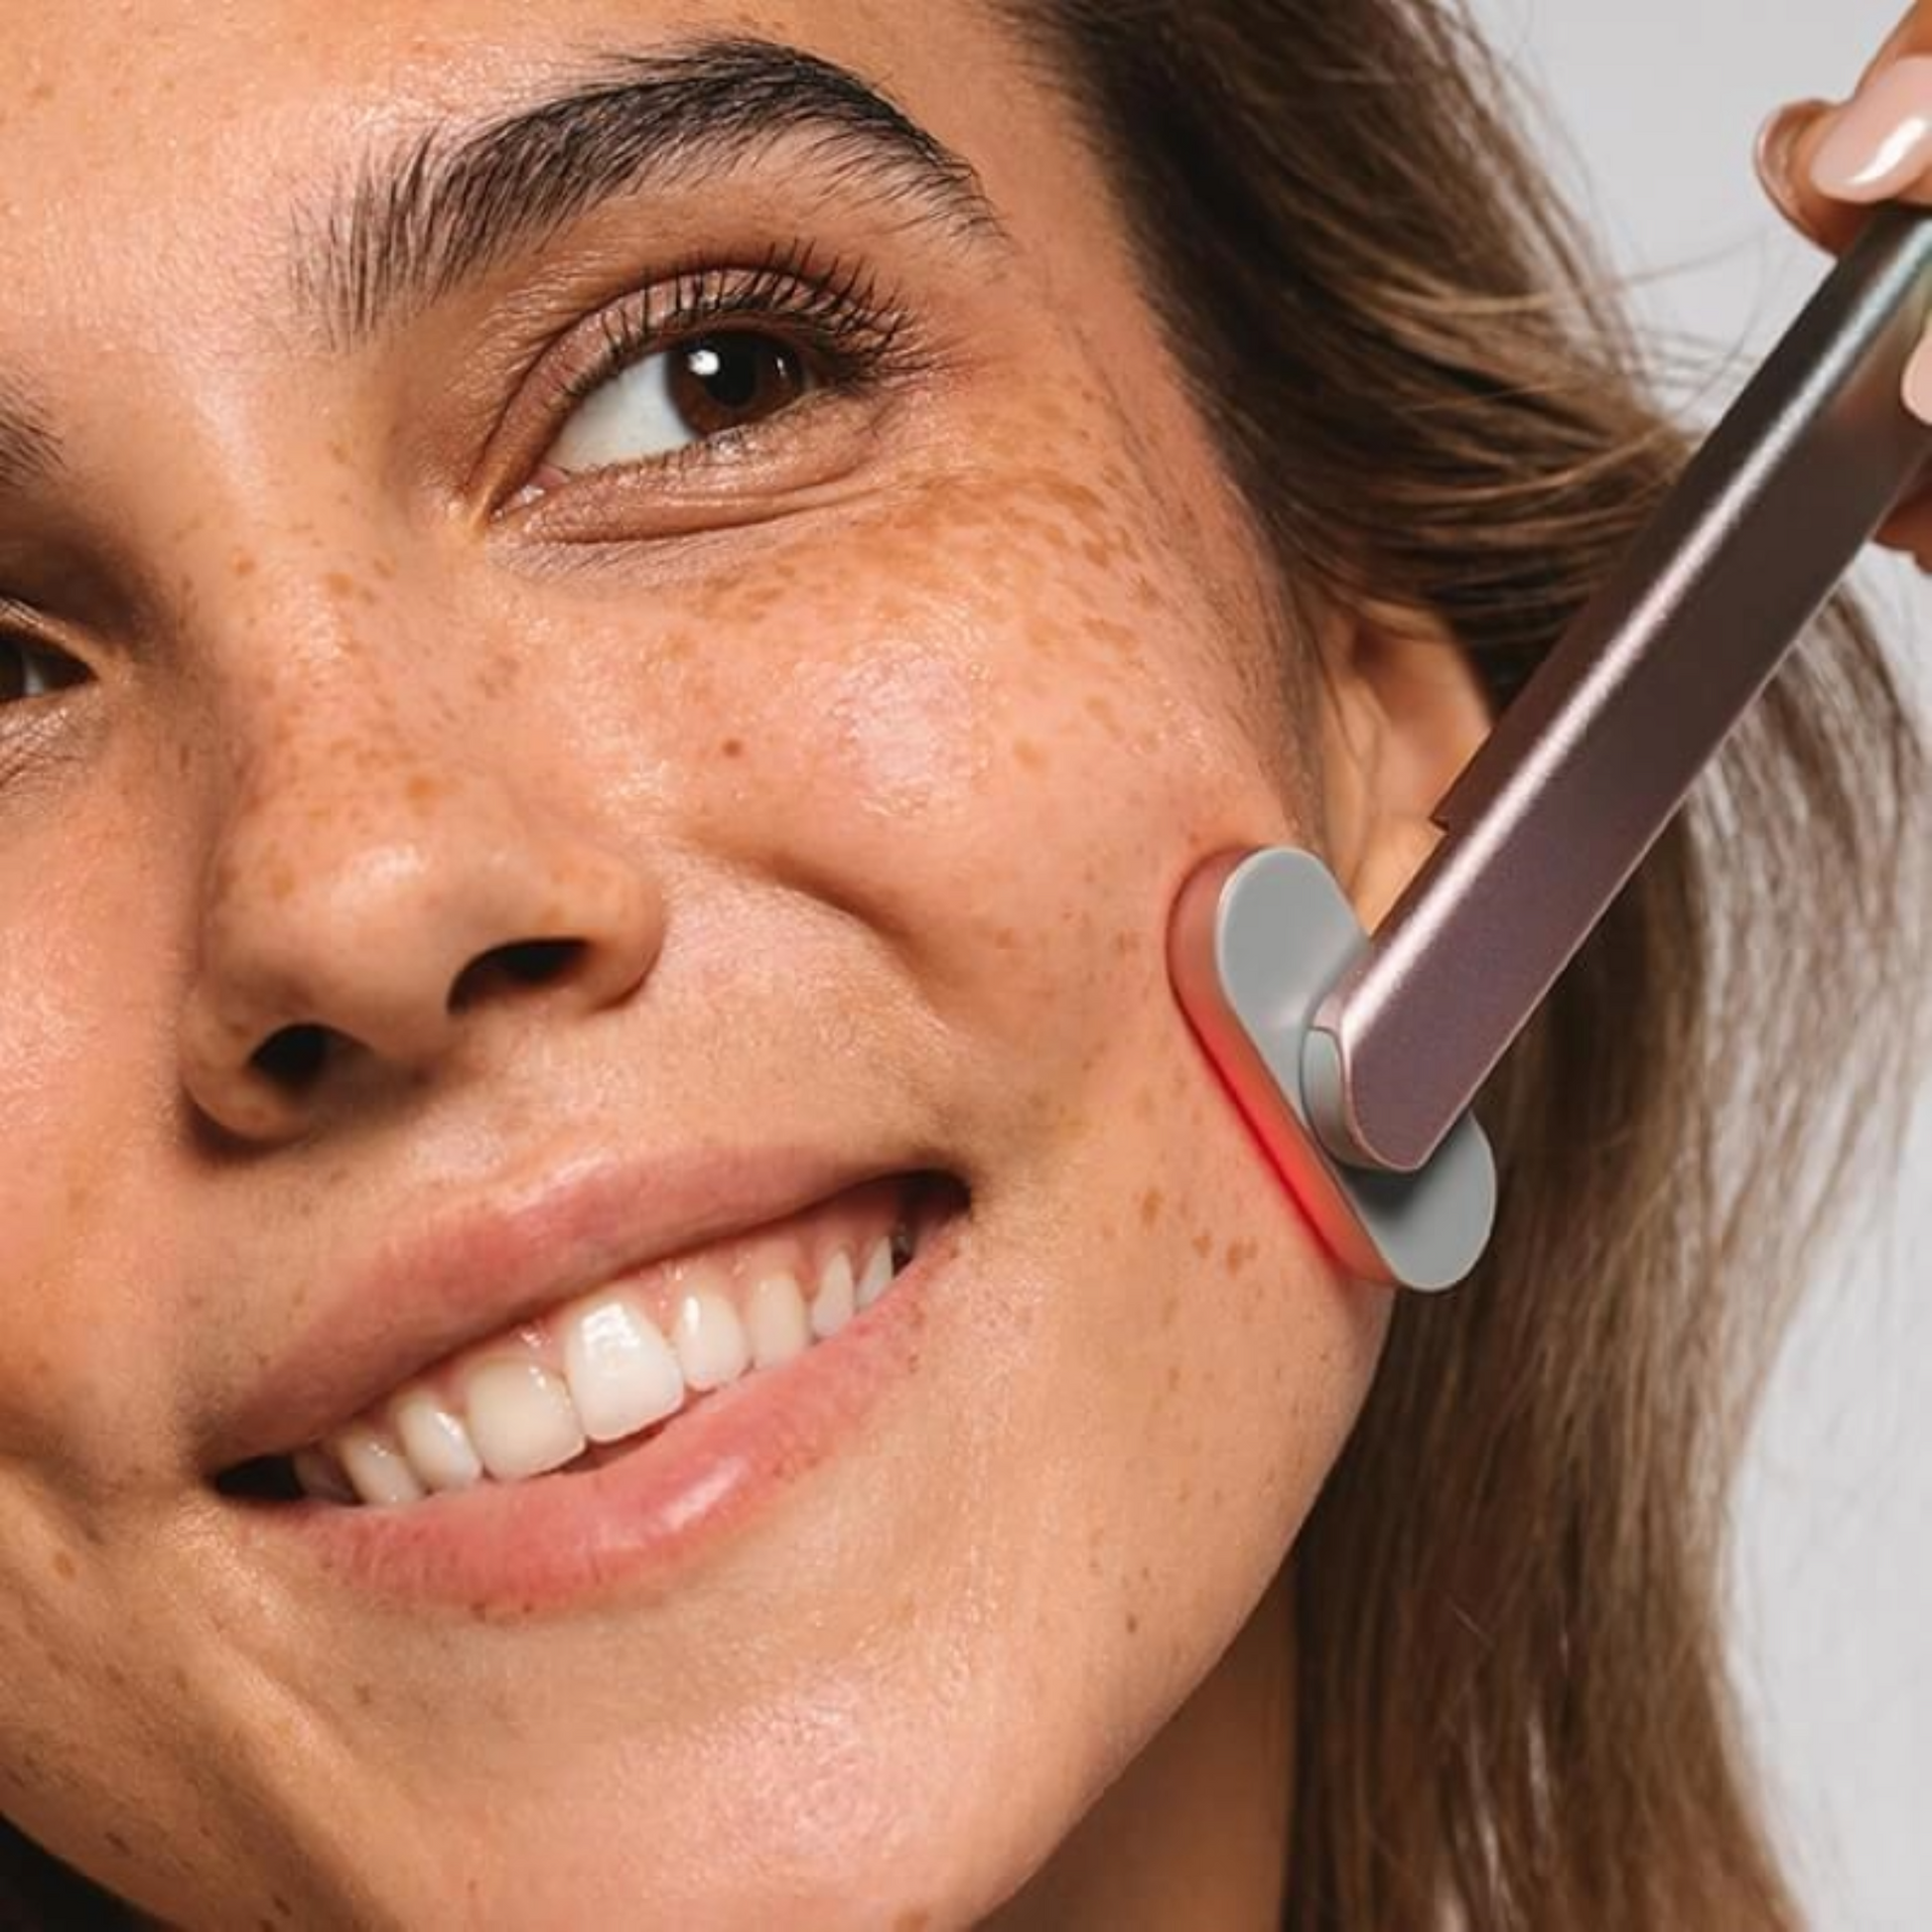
(855, 333)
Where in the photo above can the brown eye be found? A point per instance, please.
(677, 397)
(724, 381)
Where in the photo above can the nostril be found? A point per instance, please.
(294, 1058)
(527, 962)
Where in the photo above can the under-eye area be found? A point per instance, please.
(578, 1385)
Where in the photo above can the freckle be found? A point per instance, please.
(365, 1696)
(733, 748)
(1132, 1624)
(1174, 1369)
(1204, 1244)
(423, 790)
(244, 565)
(63, 1565)
(1150, 1204)
(180, 1677)
(1029, 754)
(43, 90)
(1078, 497)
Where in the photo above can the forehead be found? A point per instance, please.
(165, 150)
(221, 64)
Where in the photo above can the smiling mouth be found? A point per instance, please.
(603, 1373)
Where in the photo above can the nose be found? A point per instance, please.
(365, 916)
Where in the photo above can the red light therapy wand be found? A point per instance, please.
(1355, 1057)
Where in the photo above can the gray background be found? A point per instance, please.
(1651, 108)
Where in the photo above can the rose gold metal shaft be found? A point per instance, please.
(1593, 760)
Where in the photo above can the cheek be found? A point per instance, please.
(75, 1039)
(1004, 731)
(1000, 720)
(905, 731)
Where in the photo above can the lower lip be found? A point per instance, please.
(645, 1520)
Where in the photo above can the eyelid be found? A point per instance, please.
(22, 624)
(841, 308)
(858, 332)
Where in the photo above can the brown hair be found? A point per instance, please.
(1512, 1709)
(1512, 1706)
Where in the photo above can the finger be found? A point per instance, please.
(1818, 160)
(1912, 35)
(1878, 147)
(1785, 144)
(1824, 165)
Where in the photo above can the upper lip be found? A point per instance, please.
(473, 1274)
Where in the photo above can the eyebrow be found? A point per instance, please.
(28, 452)
(455, 202)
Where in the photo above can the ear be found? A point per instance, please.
(1403, 712)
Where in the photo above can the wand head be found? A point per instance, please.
(1255, 942)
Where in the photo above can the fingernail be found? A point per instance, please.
(1918, 381)
(1881, 139)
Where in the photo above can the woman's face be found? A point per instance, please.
(606, 640)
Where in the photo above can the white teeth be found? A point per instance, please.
(878, 1277)
(710, 1339)
(377, 1466)
(521, 1420)
(622, 1373)
(618, 1374)
(437, 1444)
(775, 1321)
(832, 1305)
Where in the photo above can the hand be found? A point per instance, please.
(1825, 163)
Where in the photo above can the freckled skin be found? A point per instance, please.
(901, 779)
